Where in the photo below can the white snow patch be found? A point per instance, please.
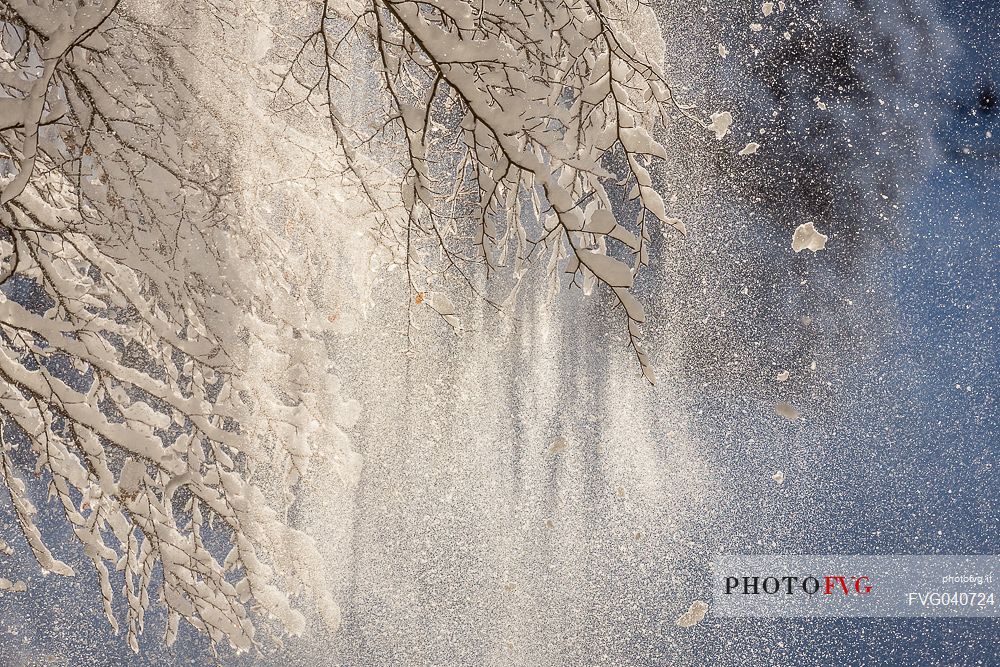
(695, 613)
(806, 237)
(677, 224)
(721, 121)
(442, 303)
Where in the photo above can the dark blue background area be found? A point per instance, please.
(905, 456)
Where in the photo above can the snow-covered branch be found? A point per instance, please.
(523, 123)
(126, 322)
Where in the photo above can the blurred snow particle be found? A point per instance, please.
(778, 477)
(721, 120)
(767, 8)
(558, 445)
(750, 149)
(806, 237)
(756, 27)
(723, 51)
(787, 410)
(694, 614)
(782, 376)
(821, 105)
(347, 413)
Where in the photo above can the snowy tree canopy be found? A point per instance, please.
(135, 297)
(127, 320)
(522, 122)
